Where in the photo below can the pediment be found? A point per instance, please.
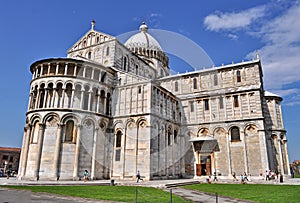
(91, 38)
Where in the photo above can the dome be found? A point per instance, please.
(143, 40)
(146, 46)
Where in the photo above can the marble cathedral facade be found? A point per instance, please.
(113, 109)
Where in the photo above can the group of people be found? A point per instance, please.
(86, 176)
(243, 177)
(271, 175)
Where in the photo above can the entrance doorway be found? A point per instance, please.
(204, 167)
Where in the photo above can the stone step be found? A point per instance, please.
(181, 184)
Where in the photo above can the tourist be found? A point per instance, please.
(138, 176)
(276, 177)
(242, 179)
(215, 176)
(234, 177)
(85, 175)
(249, 177)
(208, 180)
(267, 175)
(245, 177)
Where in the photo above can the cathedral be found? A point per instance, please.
(114, 109)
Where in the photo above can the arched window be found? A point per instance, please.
(175, 136)
(221, 103)
(107, 51)
(235, 134)
(118, 138)
(108, 103)
(238, 76)
(41, 96)
(86, 98)
(89, 55)
(169, 137)
(191, 106)
(176, 86)
(118, 145)
(236, 101)
(215, 80)
(136, 69)
(195, 83)
(124, 63)
(206, 104)
(68, 97)
(69, 133)
(34, 97)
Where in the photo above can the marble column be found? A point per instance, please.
(228, 154)
(81, 99)
(98, 100)
(24, 151)
(89, 101)
(45, 97)
(54, 92)
(245, 152)
(62, 104)
(30, 101)
(77, 152)
(37, 99)
(56, 69)
(39, 150)
(84, 71)
(93, 72)
(93, 176)
(280, 156)
(75, 70)
(42, 70)
(66, 69)
(57, 151)
(72, 98)
(49, 67)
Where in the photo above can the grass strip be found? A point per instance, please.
(110, 193)
(254, 192)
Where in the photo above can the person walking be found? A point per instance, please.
(138, 176)
(85, 175)
(234, 177)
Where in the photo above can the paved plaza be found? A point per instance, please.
(16, 196)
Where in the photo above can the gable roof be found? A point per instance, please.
(91, 38)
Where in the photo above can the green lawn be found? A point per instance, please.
(253, 192)
(112, 193)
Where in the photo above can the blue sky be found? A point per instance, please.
(228, 31)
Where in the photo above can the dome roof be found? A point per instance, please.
(143, 40)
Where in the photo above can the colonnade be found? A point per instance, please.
(161, 56)
(60, 96)
(65, 68)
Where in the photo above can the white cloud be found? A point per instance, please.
(233, 36)
(236, 20)
(280, 54)
(152, 19)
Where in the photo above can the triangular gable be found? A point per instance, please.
(92, 37)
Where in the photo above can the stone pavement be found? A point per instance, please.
(16, 196)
